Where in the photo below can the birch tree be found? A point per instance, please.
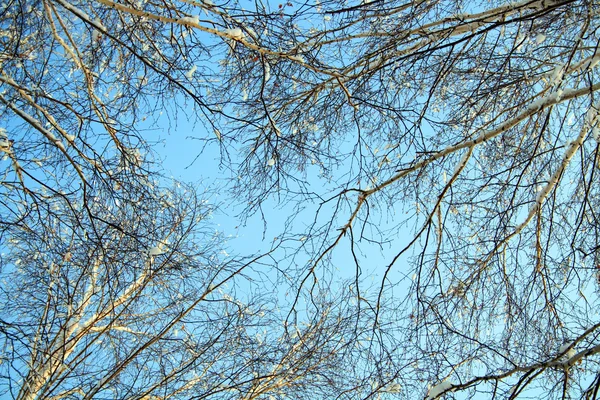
(456, 140)
(140, 301)
(463, 139)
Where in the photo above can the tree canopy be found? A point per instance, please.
(436, 163)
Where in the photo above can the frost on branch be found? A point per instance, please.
(98, 28)
(190, 73)
(4, 142)
(194, 20)
(157, 250)
(540, 38)
(235, 33)
(393, 387)
(570, 353)
(437, 390)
